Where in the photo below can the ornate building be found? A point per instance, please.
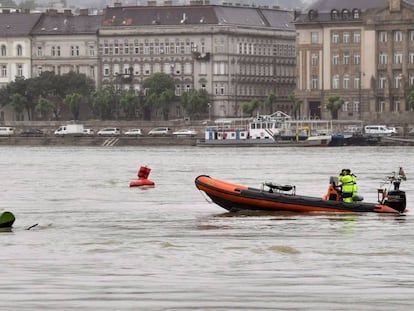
(63, 42)
(362, 51)
(15, 51)
(234, 53)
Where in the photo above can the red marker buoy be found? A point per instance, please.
(142, 180)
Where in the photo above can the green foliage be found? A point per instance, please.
(44, 107)
(250, 107)
(195, 103)
(268, 102)
(47, 86)
(103, 103)
(297, 104)
(160, 94)
(130, 103)
(335, 103)
(73, 101)
(18, 102)
(410, 98)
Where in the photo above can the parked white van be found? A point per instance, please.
(378, 130)
(6, 131)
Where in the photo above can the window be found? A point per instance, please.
(116, 48)
(115, 69)
(335, 82)
(396, 104)
(314, 82)
(346, 58)
(356, 105)
(411, 34)
(357, 59)
(411, 58)
(355, 13)
(335, 59)
(383, 58)
(58, 50)
(398, 58)
(178, 90)
(335, 37)
(314, 59)
(345, 106)
(3, 71)
(53, 51)
(106, 49)
(39, 51)
(357, 82)
(314, 37)
(346, 82)
(382, 82)
(398, 36)
(334, 14)
(3, 50)
(147, 69)
(91, 50)
(397, 81)
(20, 70)
(187, 68)
(345, 37)
(74, 50)
(357, 37)
(19, 50)
(382, 36)
(39, 70)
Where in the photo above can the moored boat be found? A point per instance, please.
(275, 197)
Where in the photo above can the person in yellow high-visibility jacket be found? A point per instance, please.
(348, 185)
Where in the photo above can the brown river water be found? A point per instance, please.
(100, 245)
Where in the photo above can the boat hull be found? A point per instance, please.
(233, 197)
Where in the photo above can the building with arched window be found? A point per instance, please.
(362, 51)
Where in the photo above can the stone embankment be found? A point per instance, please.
(97, 141)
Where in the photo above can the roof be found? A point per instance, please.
(323, 8)
(64, 24)
(17, 24)
(197, 15)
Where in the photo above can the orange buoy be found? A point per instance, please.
(142, 180)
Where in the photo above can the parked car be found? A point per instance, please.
(109, 131)
(32, 133)
(88, 132)
(6, 131)
(133, 132)
(185, 133)
(160, 131)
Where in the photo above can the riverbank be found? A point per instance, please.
(50, 140)
(97, 141)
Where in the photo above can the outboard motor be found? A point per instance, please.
(395, 198)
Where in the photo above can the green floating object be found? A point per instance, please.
(6, 219)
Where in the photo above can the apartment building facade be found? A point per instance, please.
(63, 42)
(234, 53)
(362, 51)
(15, 52)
